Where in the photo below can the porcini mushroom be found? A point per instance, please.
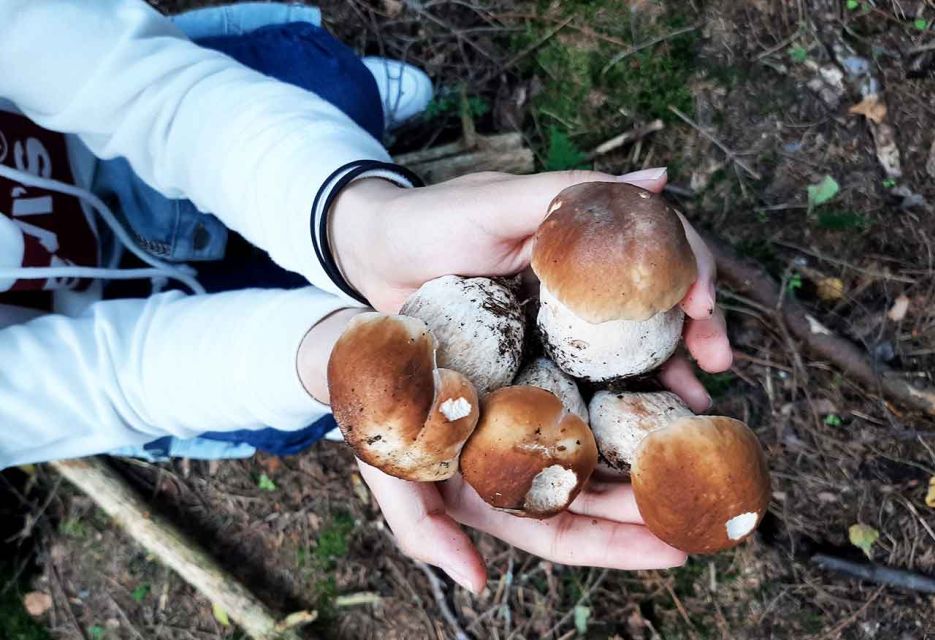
(700, 482)
(396, 409)
(543, 373)
(478, 324)
(528, 455)
(614, 262)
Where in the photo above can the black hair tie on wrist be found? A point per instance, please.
(351, 170)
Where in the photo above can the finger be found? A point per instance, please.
(678, 377)
(707, 341)
(567, 538)
(699, 302)
(607, 500)
(650, 179)
(416, 514)
(519, 205)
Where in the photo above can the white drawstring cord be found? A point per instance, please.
(183, 274)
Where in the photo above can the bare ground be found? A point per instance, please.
(839, 455)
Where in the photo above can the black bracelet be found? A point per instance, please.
(350, 171)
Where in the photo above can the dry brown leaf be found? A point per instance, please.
(899, 309)
(830, 289)
(870, 108)
(36, 603)
(930, 496)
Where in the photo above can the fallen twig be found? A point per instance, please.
(525, 52)
(876, 573)
(731, 155)
(173, 548)
(636, 133)
(749, 279)
(646, 45)
(440, 601)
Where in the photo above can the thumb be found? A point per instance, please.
(424, 531)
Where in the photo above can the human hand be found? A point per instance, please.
(601, 528)
(389, 241)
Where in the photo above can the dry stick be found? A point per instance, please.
(749, 279)
(834, 631)
(440, 601)
(162, 539)
(637, 133)
(646, 45)
(876, 573)
(525, 52)
(731, 155)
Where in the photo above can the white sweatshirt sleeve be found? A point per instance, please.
(192, 122)
(130, 371)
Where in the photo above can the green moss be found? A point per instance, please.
(73, 528)
(333, 539)
(583, 94)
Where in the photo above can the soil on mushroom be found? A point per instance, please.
(758, 78)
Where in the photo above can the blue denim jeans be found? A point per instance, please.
(284, 41)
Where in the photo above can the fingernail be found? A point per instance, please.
(461, 580)
(709, 402)
(645, 175)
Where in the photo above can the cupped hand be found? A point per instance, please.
(390, 241)
(601, 528)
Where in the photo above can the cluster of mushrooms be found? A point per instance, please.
(456, 383)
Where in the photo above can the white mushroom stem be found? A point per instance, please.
(543, 373)
(609, 350)
(620, 421)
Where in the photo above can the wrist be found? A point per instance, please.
(354, 231)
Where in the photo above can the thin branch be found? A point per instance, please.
(646, 45)
(732, 156)
(876, 573)
(440, 601)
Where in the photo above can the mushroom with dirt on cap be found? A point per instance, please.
(396, 409)
(701, 482)
(529, 455)
(613, 261)
(479, 326)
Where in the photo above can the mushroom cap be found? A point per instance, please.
(609, 350)
(701, 484)
(528, 455)
(478, 324)
(545, 374)
(395, 408)
(613, 251)
(620, 421)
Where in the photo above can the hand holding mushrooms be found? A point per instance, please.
(514, 420)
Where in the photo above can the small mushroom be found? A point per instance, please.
(614, 262)
(543, 373)
(529, 455)
(478, 324)
(701, 482)
(396, 409)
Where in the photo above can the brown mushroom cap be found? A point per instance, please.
(701, 483)
(612, 251)
(396, 410)
(528, 455)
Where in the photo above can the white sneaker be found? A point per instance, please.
(404, 89)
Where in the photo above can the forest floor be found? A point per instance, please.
(771, 146)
